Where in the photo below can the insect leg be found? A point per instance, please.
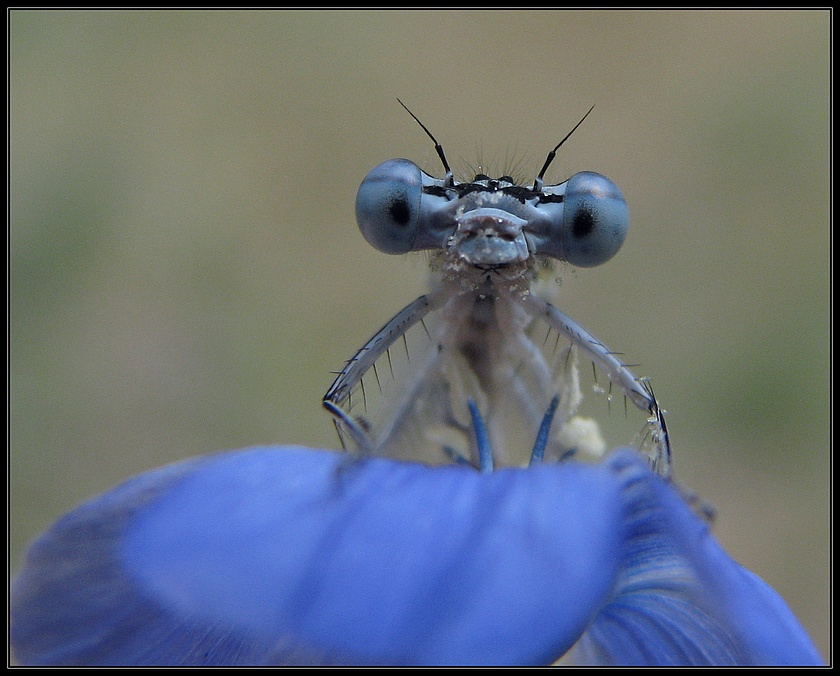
(352, 373)
(482, 440)
(636, 389)
(542, 435)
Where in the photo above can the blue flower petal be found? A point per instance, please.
(680, 600)
(284, 555)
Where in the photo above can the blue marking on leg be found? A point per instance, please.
(485, 454)
(570, 453)
(455, 456)
(542, 436)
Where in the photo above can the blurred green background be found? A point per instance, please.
(186, 270)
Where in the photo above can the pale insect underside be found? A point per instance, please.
(451, 347)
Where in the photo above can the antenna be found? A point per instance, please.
(438, 146)
(539, 179)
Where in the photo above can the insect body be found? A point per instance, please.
(486, 392)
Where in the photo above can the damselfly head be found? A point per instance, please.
(582, 221)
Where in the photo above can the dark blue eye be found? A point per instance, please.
(593, 222)
(388, 206)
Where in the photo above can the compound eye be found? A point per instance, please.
(388, 206)
(595, 220)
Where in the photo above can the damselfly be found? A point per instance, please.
(487, 392)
